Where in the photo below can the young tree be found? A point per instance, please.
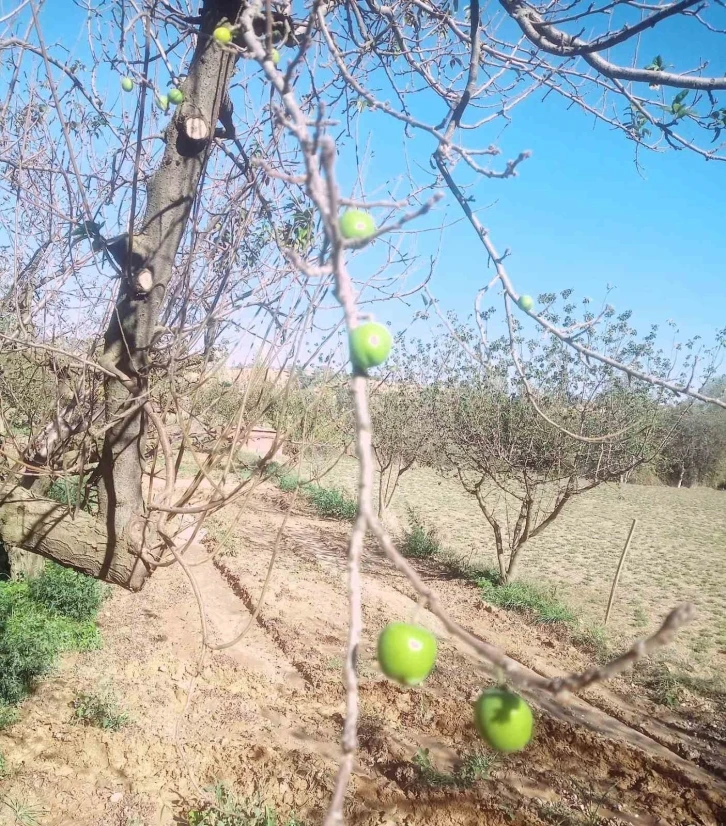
(529, 425)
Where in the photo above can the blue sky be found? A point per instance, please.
(578, 215)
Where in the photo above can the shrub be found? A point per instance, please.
(101, 710)
(63, 591)
(332, 503)
(8, 716)
(420, 542)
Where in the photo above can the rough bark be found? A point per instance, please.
(45, 527)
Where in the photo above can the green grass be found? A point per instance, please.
(541, 604)
(473, 767)
(99, 709)
(34, 631)
(229, 810)
(331, 503)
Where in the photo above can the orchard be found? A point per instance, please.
(229, 279)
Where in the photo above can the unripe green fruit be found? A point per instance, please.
(222, 34)
(127, 84)
(354, 223)
(526, 303)
(162, 101)
(370, 344)
(503, 719)
(406, 653)
(176, 96)
(275, 56)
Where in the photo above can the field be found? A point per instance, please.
(264, 716)
(678, 552)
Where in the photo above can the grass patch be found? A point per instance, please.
(474, 767)
(100, 709)
(420, 541)
(539, 603)
(228, 810)
(33, 633)
(667, 685)
(331, 503)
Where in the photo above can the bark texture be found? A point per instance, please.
(45, 527)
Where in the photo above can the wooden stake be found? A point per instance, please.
(617, 573)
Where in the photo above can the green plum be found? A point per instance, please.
(176, 96)
(406, 653)
(503, 719)
(127, 84)
(370, 344)
(356, 224)
(526, 303)
(222, 34)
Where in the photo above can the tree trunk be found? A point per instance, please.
(513, 565)
(45, 527)
(680, 477)
(111, 548)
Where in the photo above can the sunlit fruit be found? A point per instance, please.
(127, 84)
(406, 653)
(354, 223)
(275, 56)
(175, 96)
(162, 101)
(222, 34)
(370, 344)
(503, 719)
(526, 302)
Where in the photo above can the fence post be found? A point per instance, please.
(617, 573)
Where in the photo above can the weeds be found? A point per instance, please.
(65, 491)
(420, 542)
(228, 810)
(100, 710)
(474, 767)
(667, 685)
(65, 592)
(332, 503)
(3, 765)
(25, 814)
(33, 633)
(8, 716)
(541, 604)
(288, 482)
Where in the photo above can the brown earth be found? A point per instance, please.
(265, 715)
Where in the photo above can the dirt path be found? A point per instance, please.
(265, 715)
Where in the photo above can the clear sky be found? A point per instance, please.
(578, 215)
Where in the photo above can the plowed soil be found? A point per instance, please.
(265, 715)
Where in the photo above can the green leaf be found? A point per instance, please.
(681, 96)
